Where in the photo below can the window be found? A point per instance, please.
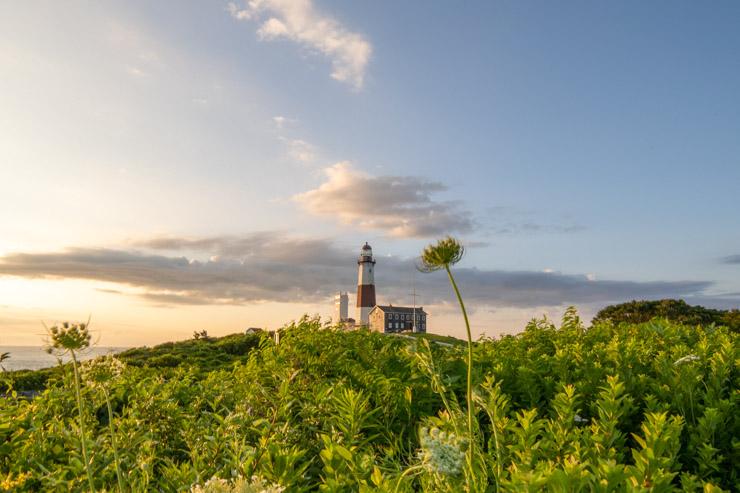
(390, 325)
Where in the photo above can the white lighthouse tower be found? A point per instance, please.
(365, 285)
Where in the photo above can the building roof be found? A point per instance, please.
(400, 309)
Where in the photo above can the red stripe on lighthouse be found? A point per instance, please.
(366, 295)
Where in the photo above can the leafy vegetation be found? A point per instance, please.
(635, 312)
(615, 407)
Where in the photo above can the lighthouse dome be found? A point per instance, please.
(366, 255)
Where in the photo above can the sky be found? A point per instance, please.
(170, 166)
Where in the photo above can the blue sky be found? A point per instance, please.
(586, 142)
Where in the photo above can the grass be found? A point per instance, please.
(438, 338)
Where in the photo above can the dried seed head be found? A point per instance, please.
(69, 337)
(448, 251)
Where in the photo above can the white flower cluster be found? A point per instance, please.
(686, 359)
(99, 372)
(441, 452)
(239, 485)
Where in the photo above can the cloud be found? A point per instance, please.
(301, 151)
(530, 288)
(272, 266)
(507, 220)
(265, 269)
(300, 22)
(401, 206)
(298, 150)
(731, 259)
(282, 121)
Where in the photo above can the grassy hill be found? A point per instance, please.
(203, 355)
(438, 338)
(206, 353)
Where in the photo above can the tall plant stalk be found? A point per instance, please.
(78, 395)
(113, 441)
(68, 339)
(448, 251)
(469, 383)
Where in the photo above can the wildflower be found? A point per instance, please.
(99, 372)
(239, 485)
(10, 483)
(441, 452)
(686, 359)
(448, 251)
(69, 337)
(213, 485)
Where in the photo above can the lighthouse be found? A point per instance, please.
(365, 285)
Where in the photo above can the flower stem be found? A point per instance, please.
(469, 390)
(113, 442)
(78, 395)
(407, 471)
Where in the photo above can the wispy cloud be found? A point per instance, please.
(731, 259)
(300, 150)
(300, 22)
(281, 121)
(400, 206)
(503, 220)
(297, 149)
(272, 266)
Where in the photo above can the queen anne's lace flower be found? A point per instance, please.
(239, 485)
(68, 337)
(99, 372)
(441, 452)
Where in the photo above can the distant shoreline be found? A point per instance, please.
(36, 358)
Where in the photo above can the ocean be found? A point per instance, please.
(34, 357)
